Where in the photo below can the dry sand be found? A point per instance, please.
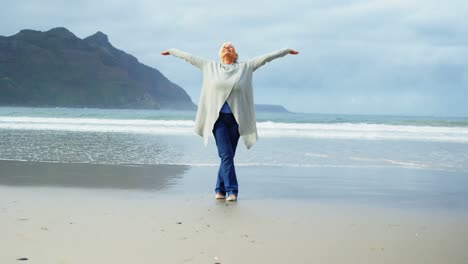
(72, 225)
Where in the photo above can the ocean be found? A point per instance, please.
(147, 137)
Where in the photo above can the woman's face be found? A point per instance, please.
(229, 50)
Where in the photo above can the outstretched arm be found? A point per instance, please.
(259, 61)
(194, 60)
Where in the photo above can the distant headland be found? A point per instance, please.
(270, 108)
(57, 69)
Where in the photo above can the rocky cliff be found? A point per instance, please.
(56, 68)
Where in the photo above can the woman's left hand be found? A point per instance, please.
(293, 52)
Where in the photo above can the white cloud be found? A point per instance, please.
(371, 51)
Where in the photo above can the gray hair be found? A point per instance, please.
(230, 44)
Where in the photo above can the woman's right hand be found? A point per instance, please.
(293, 52)
(165, 53)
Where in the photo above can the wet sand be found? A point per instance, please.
(83, 175)
(167, 214)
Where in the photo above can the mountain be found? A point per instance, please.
(56, 68)
(270, 108)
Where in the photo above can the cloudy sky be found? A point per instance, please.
(392, 57)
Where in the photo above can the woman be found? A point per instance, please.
(226, 107)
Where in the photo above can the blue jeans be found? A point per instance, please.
(226, 133)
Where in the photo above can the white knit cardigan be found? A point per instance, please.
(231, 83)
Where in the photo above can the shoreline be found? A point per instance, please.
(87, 175)
(413, 189)
(88, 213)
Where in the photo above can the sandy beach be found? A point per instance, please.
(172, 217)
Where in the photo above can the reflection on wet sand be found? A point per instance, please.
(147, 177)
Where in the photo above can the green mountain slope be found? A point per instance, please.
(56, 68)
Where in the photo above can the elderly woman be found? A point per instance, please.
(226, 107)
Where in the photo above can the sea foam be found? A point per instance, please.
(265, 129)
